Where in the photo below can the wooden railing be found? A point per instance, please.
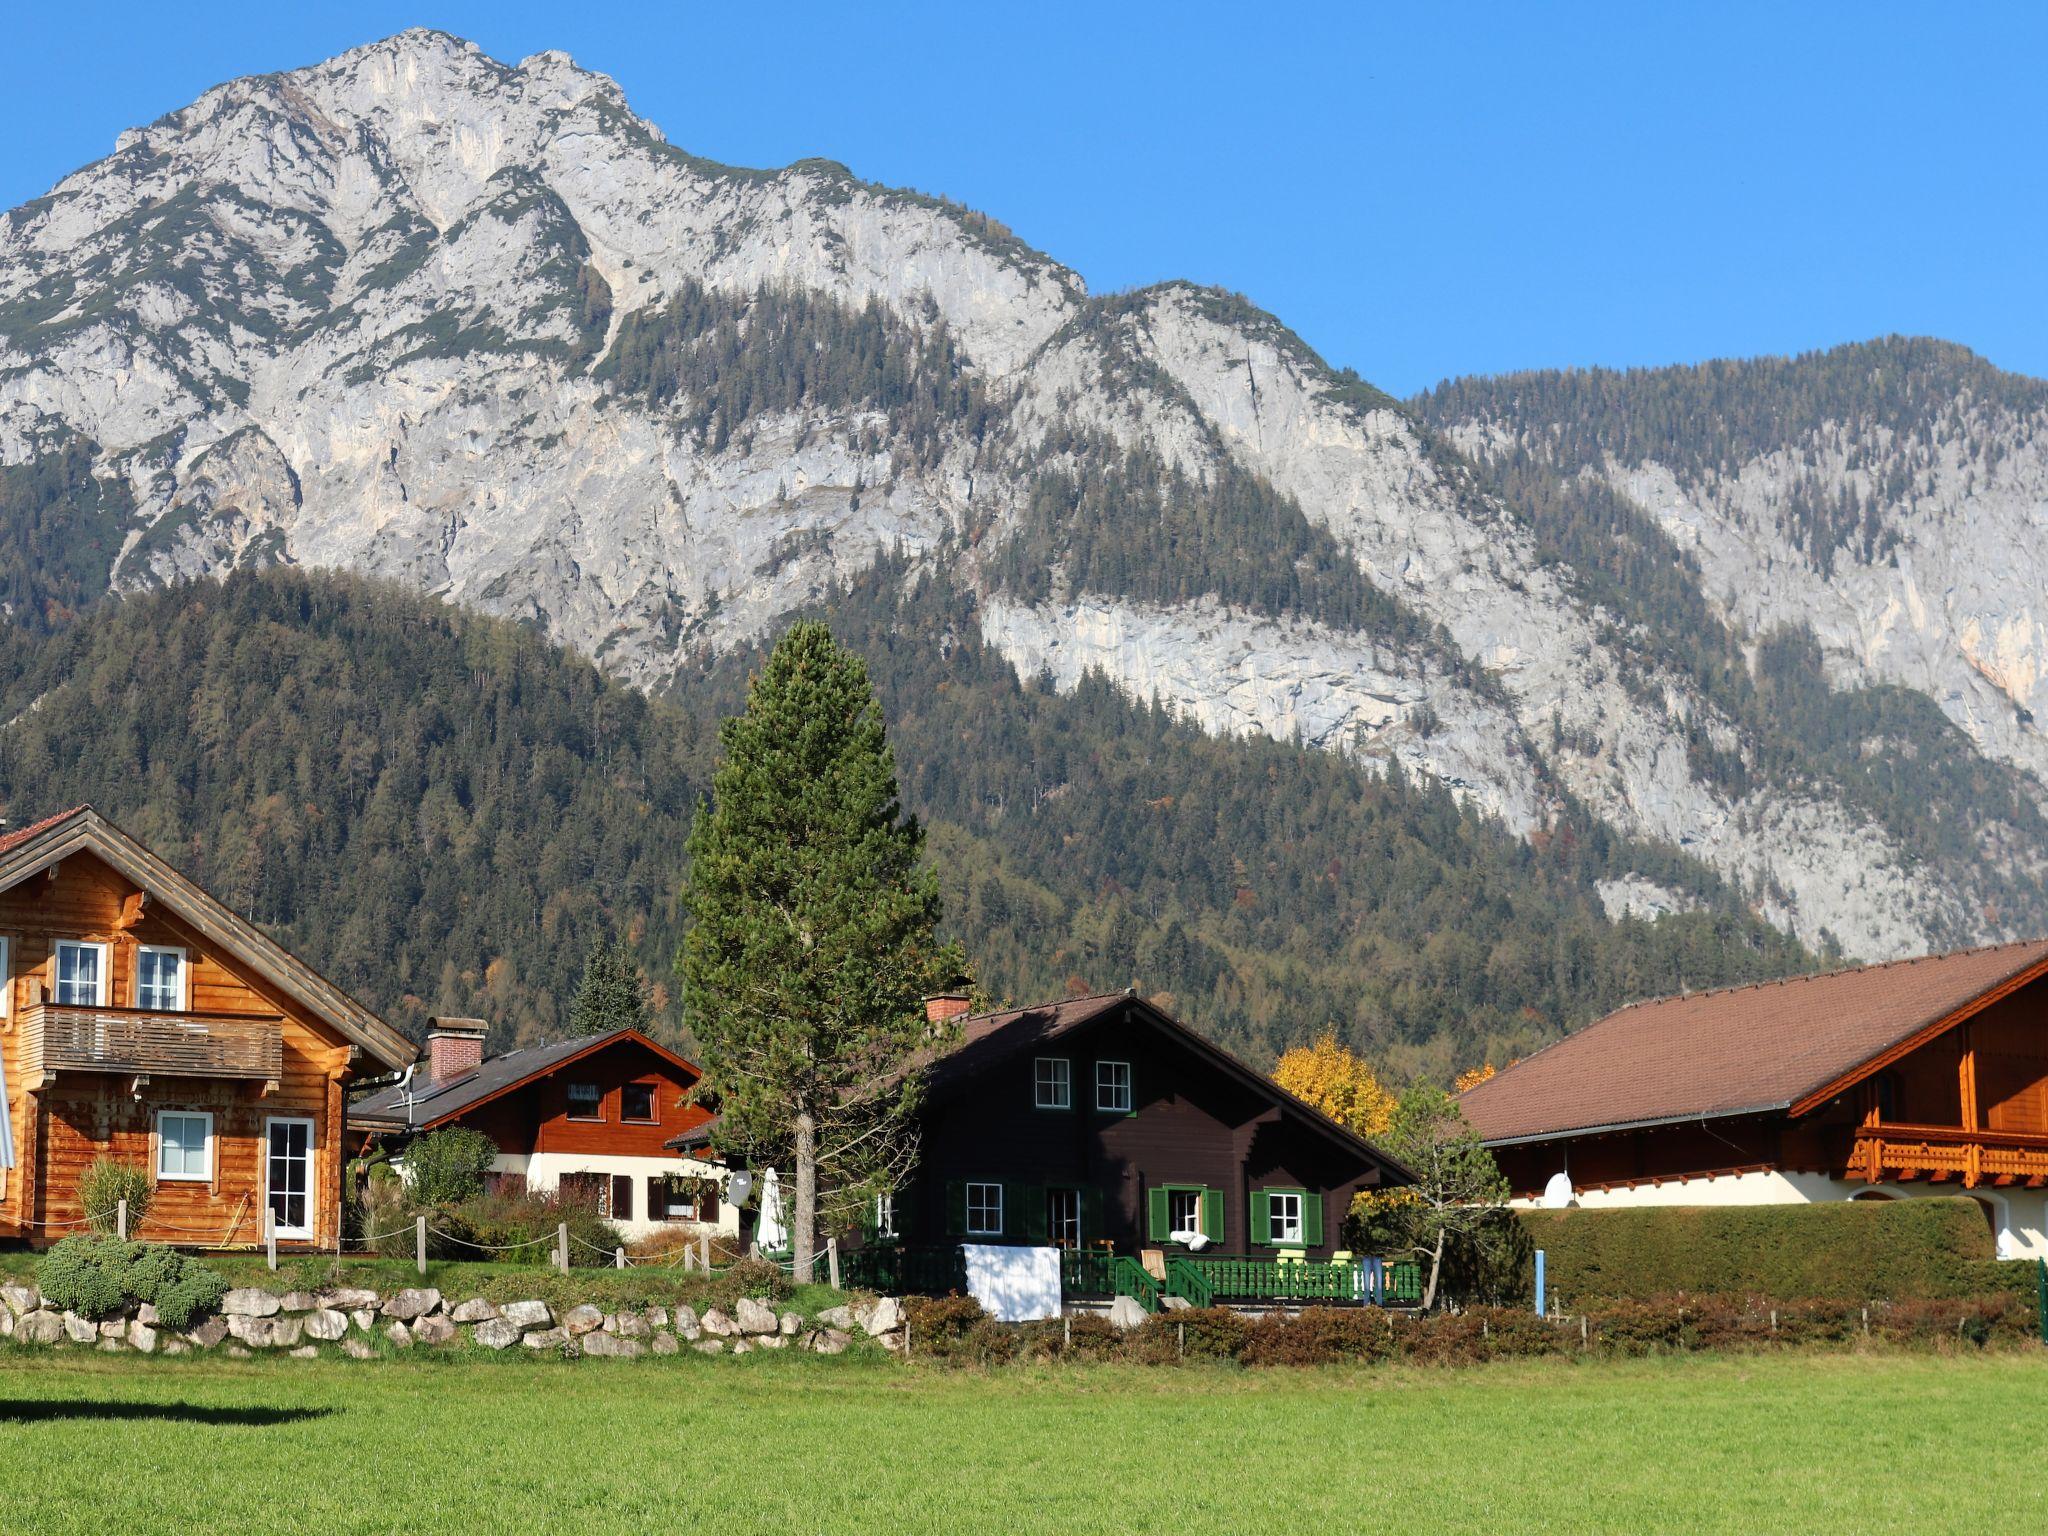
(1939, 1153)
(904, 1271)
(56, 1039)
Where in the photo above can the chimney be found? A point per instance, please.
(455, 1048)
(941, 1006)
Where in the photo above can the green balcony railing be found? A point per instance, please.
(904, 1271)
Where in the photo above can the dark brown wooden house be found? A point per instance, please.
(1917, 1077)
(142, 1020)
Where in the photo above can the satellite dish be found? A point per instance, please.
(739, 1186)
(1557, 1194)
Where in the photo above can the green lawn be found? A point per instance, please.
(775, 1444)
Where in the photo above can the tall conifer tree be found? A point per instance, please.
(813, 937)
(610, 995)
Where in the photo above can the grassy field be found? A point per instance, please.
(774, 1444)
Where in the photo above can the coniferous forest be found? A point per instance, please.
(444, 812)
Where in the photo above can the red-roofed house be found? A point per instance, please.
(1916, 1077)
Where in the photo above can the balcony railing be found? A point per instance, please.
(138, 1041)
(1939, 1153)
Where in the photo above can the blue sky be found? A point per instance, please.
(1420, 190)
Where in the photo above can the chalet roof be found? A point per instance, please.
(1768, 1046)
(988, 1040)
(81, 829)
(438, 1103)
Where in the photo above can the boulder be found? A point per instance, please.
(754, 1316)
(80, 1330)
(279, 1332)
(892, 1342)
(400, 1335)
(111, 1346)
(657, 1317)
(175, 1346)
(114, 1328)
(305, 1352)
(1176, 1303)
(207, 1334)
(837, 1317)
(741, 1347)
(830, 1341)
(788, 1323)
(236, 1352)
(345, 1299)
(582, 1320)
(358, 1349)
(770, 1341)
(411, 1303)
(434, 1330)
(687, 1324)
(527, 1314)
(247, 1301)
(326, 1323)
(717, 1324)
(147, 1315)
(601, 1343)
(546, 1338)
(6, 1323)
(39, 1328)
(496, 1333)
(1126, 1313)
(885, 1316)
(709, 1346)
(474, 1310)
(297, 1301)
(20, 1298)
(363, 1318)
(664, 1342)
(627, 1325)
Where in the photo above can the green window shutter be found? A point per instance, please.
(1262, 1219)
(1024, 1211)
(956, 1206)
(1156, 1215)
(1311, 1217)
(1091, 1214)
(1212, 1215)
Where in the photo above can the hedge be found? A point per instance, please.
(1865, 1250)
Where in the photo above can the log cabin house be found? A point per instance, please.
(584, 1119)
(1880, 1082)
(142, 1020)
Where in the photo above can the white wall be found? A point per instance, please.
(2022, 1214)
(543, 1173)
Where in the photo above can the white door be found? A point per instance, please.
(288, 1175)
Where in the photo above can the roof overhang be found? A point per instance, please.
(384, 1120)
(86, 831)
(1694, 1117)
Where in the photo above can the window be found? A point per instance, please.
(160, 978)
(1183, 1211)
(1053, 1082)
(622, 1197)
(288, 1176)
(184, 1146)
(81, 974)
(1113, 1086)
(586, 1102)
(636, 1103)
(581, 1191)
(1283, 1216)
(885, 1215)
(6, 976)
(1063, 1217)
(985, 1210)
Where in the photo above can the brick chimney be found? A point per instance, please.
(941, 1006)
(455, 1048)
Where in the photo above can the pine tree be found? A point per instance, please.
(610, 996)
(813, 937)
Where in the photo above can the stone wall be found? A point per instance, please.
(363, 1324)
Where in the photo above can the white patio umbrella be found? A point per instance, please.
(769, 1231)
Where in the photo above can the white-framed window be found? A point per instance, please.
(984, 1210)
(1113, 1086)
(1283, 1216)
(81, 974)
(1052, 1082)
(288, 1174)
(1063, 1217)
(885, 1215)
(184, 1146)
(586, 1101)
(160, 978)
(6, 975)
(1183, 1211)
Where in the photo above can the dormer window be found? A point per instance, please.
(81, 974)
(1053, 1082)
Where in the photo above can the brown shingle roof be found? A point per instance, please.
(1741, 1050)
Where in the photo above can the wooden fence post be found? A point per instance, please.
(832, 1261)
(121, 1219)
(270, 1237)
(618, 1258)
(419, 1243)
(704, 1252)
(562, 1246)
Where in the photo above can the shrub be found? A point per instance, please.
(105, 1184)
(754, 1277)
(99, 1276)
(950, 1328)
(447, 1167)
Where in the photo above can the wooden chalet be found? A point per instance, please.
(1917, 1077)
(584, 1119)
(142, 1020)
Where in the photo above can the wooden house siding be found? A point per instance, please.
(62, 1124)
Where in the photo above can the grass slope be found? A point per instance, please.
(1867, 1444)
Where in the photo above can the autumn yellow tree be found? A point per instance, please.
(1473, 1077)
(1336, 1080)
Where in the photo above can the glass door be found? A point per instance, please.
(1063, 1217)
(288, 1176)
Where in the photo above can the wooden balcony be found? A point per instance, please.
(1940, 1154)
(138, 1042)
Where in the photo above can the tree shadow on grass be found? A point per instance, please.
(28, 1410)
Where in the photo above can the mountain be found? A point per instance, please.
(442, 811)
(476, 328)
